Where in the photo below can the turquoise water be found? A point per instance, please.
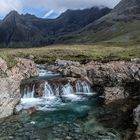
(66, 111)
(70, 116)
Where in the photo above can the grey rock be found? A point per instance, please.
(10, 84)
(66, 63)
(9, 96)
(114, 93)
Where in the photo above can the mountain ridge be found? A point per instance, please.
(122, 24)
(33, 31)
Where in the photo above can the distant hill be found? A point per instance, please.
(122, 24)
(28, 30)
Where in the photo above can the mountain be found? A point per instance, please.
(122, 24)
(28, 30)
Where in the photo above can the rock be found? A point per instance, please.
(66, 63)
(9, 96)
(103, 75)
(10, 83)
(136, 60)
(73, 71)
(3, 65)
(31, 57)
(24, 68)
(136, 115)
(114, 93)
(31, 110)
(39, 88)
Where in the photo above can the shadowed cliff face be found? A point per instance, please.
(15, 28)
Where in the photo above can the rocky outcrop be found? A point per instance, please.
(25, 68)
(10, 83)
(112, 79)
(9, 96)
(114, 93)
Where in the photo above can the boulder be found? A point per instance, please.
(74, 71)
(9, 96)
(3, 65)
(25, 68)
(39, 88)
(10, 83)
(136, 60)
(66, 63)
(114, 93)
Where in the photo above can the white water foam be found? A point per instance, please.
(53, 95)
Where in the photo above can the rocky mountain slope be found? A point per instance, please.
(122, 24)
(20, 30)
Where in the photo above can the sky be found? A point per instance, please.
(50, 8)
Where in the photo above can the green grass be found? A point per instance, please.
(48, 54)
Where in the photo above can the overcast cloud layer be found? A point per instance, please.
(46, 8)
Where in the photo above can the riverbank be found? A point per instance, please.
(117, 81)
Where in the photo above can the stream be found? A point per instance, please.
(62, 110)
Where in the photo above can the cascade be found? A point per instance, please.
(29, 92)
(48, 91)
(67, 89)
(80, 87)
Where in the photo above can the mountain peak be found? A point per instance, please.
(13, 12)
(12, 15)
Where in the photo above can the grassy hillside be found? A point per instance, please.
(117, 32)
(98, 52)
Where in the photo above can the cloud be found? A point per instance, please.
(62, 5)
(8, 5)
(53, 6)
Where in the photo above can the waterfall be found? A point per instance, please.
(67, 89)
(82, 86)
(29, 93)
(86, 87)
(48, 91)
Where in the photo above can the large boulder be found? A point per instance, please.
(10, 83)
(9, 96)
(114, 93)
(25, 68)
